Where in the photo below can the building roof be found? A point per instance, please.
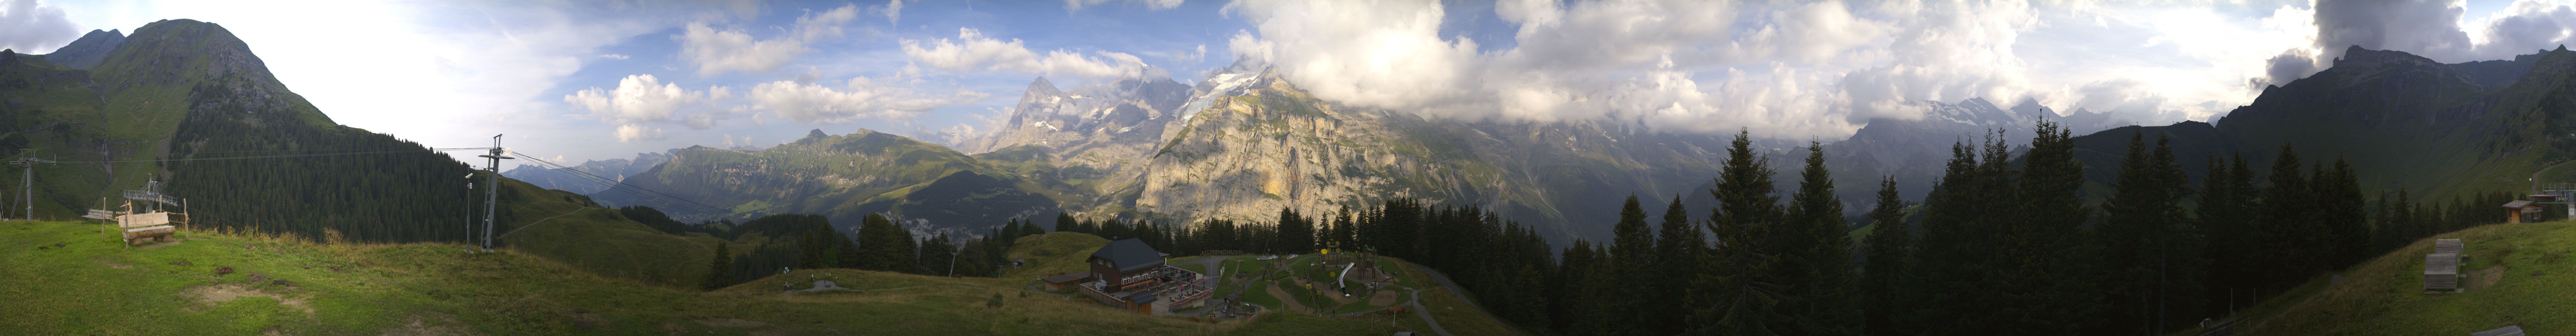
(2517, 204)
(1064, 278)
(1129, 255)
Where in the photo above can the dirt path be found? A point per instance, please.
(1418, 310)
(1443, 280)
(1285, 299)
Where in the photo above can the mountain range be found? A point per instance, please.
(1244, 143)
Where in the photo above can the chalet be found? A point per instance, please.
(1131, 275)
(2522, 212)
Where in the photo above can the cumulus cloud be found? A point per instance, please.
(2429, 27)
(31, 27)
(1386, 55)
(1795, 70)
(633, 133)
(859, 98)
(1150, 4)
(640, 100)
(716, 51)
(894, 11)
(972, 51)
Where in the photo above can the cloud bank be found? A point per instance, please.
(716, 51)
(31, 27)
(1792, 70)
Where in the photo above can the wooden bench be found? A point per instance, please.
(2452, 246)
(155, 226)
(2441, 272)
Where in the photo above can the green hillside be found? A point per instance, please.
(2402, 121)
(216, 284)
(858, 174)
(2517, 275)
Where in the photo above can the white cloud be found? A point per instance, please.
(1149, 4)
(716, 51)
(1387, 55)
(860, 98)
(1790, 70)
(972, 51)
(643, 98)
(894, 12)
(634, 133)
(31, 27)
(614, 56)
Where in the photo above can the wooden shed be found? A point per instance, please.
(2522, 212)
(2441, 273)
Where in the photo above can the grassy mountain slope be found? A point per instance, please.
(2519, 276)
(845, 177)
(2402, 121)
(91, 284)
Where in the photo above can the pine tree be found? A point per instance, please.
(2150, 248)
(1623, 308)
(2287, 227)
(1819, 263)
(2227, 202)
(719, 269)
(1737, 291)
(1678, 246)
(1296, 233)
(1890, 254)
(2339, 199)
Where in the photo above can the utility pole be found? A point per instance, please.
(492, 191)
(28, 183)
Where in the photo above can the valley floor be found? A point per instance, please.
(74, 278)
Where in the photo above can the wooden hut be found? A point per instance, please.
(2522, 212)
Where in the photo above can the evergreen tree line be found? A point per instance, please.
(412, 196)
(2004, 245)
(785, 241)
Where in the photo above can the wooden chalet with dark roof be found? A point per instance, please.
(1131, 275)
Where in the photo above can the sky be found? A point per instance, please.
(570, 81)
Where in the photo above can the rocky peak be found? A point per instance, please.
(88, 50)
(2356, 56)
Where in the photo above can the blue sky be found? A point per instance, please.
(598, 80)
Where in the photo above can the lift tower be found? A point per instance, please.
(29, 182)
(492, 191)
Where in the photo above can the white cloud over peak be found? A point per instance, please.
(31, 27)
(972, 51)
(859, 98)
(716, 51)
(640, 99)
(1386, 54)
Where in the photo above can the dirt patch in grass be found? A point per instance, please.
(208, 296)
(1290, 302)
(2484, 278)
(430, 324)
(1382, 298)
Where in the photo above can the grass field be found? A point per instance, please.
(2528, 272)
(92, 285)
